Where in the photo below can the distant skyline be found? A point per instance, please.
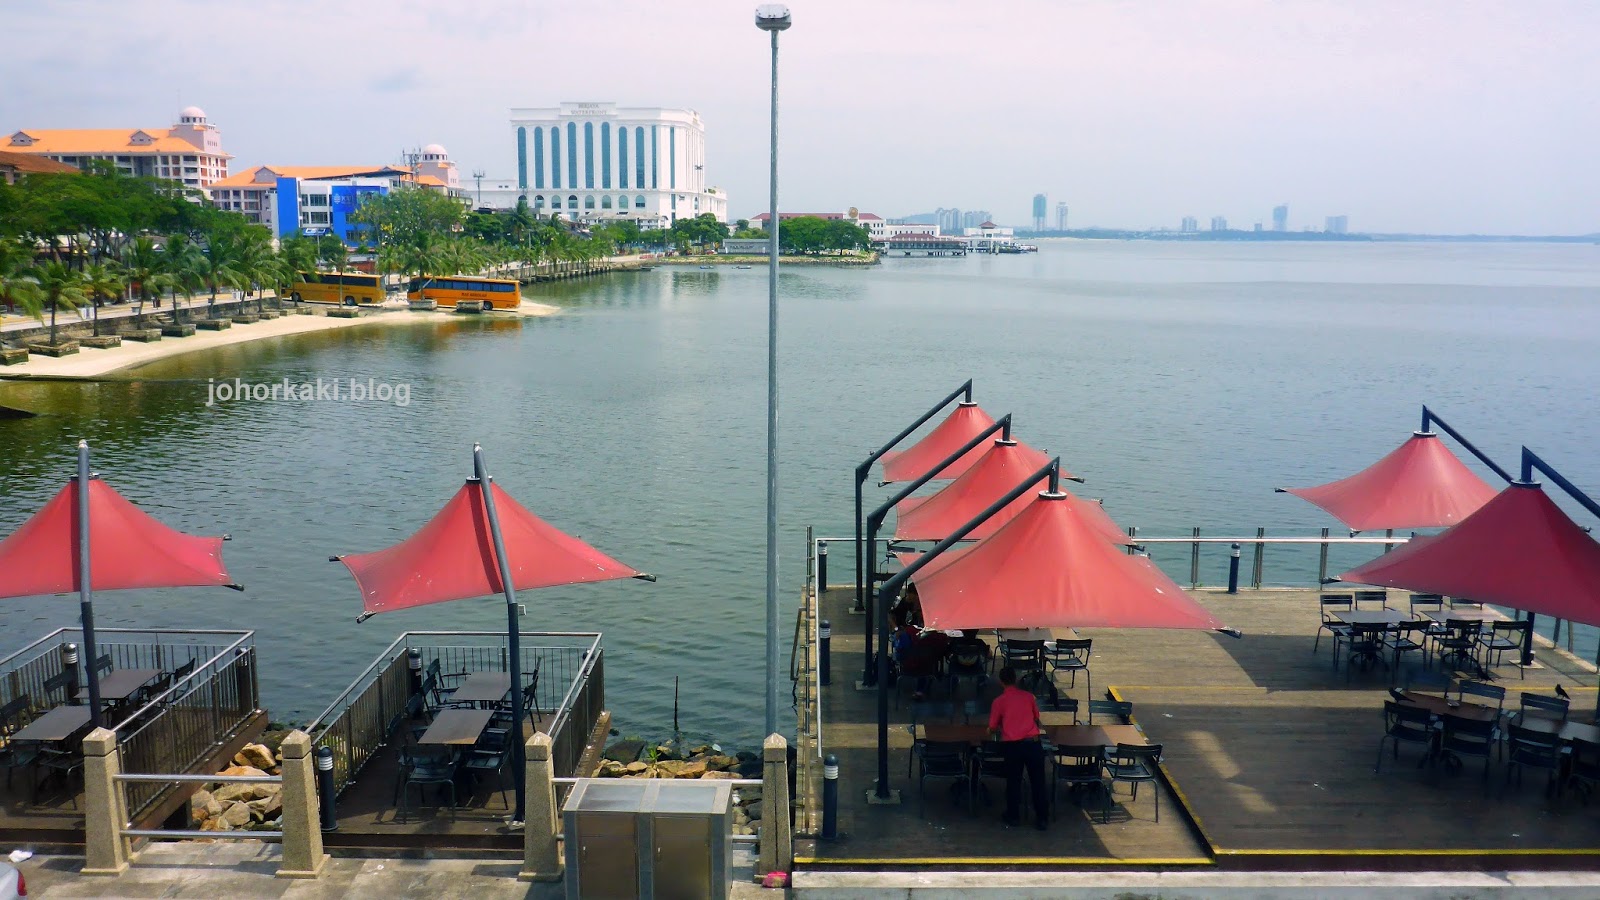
(1423, 116)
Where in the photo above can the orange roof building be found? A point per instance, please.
(189, 152)
(316, 200)
(15, 165)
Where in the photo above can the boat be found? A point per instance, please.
(741, 267)
(708, 267)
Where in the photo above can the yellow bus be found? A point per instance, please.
(345, 288)
(466, 291)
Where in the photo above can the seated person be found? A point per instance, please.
(909, 609)
(969, 655)
(917, 652)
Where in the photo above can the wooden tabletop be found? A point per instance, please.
(457, 727)
(56, 725)
(1439, 706)
(1464, 615)
(483, 687)
(1095, 735)
(1037, 634)
(1566, 728)
(122, 683)
(1371, 616)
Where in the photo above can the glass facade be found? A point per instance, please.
(622, 157)
(638, 156)
(605, 154)
(538, 160)
(555, 158)
(522, 158)
(672, 158)
(655, 164)
(588, 155)
(572, 155)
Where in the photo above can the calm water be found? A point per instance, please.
(1184, 381)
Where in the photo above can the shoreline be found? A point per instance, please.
(89, 362)
(761, 260)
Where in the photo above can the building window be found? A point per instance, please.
(605, 202)
(622, 202)
(522, 158)
(588, 202)
(555, 202)
(638, 202)
(622, 157)
(638, 156)
(555, 157)
(538, 159)
(672, 158)
(588, 154)
(572, 201)
(605, 154)
(572, 154)
(655, 166)
(538, 202)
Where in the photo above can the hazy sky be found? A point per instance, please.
(1407, 115)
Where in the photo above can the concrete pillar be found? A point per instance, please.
(777, 842)
(541, 858)
(302, 829)
(105, 850)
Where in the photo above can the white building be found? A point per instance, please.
(989, 238)
(318, 200)
(877, 229)
(893, 231)
(189, 152)
(595, 161)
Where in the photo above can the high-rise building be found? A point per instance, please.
(1041, 205)
(1337, 225)
(974, 218)
(591, 161)
(1061, 217)
(948, 220)
(1218, 223)
(1189, 225)
(1280, 217)
(189, 152)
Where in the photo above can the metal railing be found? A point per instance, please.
(122, 780)
(1259, 543)
(580, 709)
(360, 720)
(25, 671)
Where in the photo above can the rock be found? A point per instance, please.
(637, 767)
(750, 769)
(702, 750)
(753, 810)
(692, 769)
(265, 808)
(243, 770)
(670, 768)
(198, 804)
(739, 818)
(610, 768)
(624, 751)
(214, 825)
(233, 793)
(747, 756)
(236, 815)
(728, 776)
(721, 763)
(666, 751)
(256, 755)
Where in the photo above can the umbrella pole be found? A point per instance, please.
(85, 594)
(513, 635)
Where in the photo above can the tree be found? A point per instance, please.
(803, 234)
(840, 234)
(102, 281)
(217, 268)
(17, 284)
(61, 286)
(183, 264)
(145, 267)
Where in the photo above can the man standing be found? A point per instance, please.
(1014, 722)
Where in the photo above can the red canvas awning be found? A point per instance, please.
(452, 557)
(1419, 485)
(1520, 550)
(1001, 468)
(128, 549)
(966, 422)
(1050, 568)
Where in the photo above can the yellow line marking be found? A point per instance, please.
(1177, 792)
(1502, 851)
(999, 861)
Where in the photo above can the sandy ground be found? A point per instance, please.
(90, 363)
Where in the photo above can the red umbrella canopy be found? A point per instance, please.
(1419, 485)
(1000, 469)
(452, 557)
(128, 549)
(1050, 568)
(1520, 550)
(961, 426)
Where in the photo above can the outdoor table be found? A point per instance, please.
(483, 687)
(1439, 706)
(58, 724)
(457, 727)
(1036, 634)
(121, 684)
(1082, 735)
(1371, 616)
(1567, 729)
(1464, 615)
(973, 733)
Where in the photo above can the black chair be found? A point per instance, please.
(1537, 750)
(923, 711)
(1339, 631)
(1483, 690)
(184, 671)
(1428, 602)
(154, 689)
(1023, 657)
(1133, 764)
(58, 762)
(1457, 643)
(103, 665)
(1538, 706)
(1071, 657)
(1077, 767)
(1464, 603)
(61, 681)
(967, 659)
(942, 760)
(1583, 767)
(1408, 637)
(988, 761)
(1405, 724)
(1365, 645)
(1501, 637)
(1468, 737)
(1379, 599)
(490, 755)
(1121, 710)
(13, 716)
(419, 769)
(1058, 703)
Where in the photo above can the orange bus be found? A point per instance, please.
(467, 291)
(346, 288)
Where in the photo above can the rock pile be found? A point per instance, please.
(640, 759)
(235, 806)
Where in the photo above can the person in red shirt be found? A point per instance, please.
(1014, 722)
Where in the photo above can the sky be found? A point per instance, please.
(1406, 116)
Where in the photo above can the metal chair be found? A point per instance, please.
(1484, 690)
(63, 762)
(1504, 636)
(1539, 706)
(1534, 750)
(1076, 767)
(967, 659)
(1405, 724)
(924, 711)
(61, 681)
(1468, 737)
(103, 664)
(1379, 597)
(1330, 604)
(1464, 603)
(420, 770)
(1365, 645)
(1121, 710)
(1024, 658)
(1583, 767)
(185, 670)
(1071, 657)
(1133, 764)
(1407, 637)
(1459, 639)
(946, 760)
(12, 719)
(490, 755)
(1430, 682)
(1429, 602)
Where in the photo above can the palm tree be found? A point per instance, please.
(102, 281)
(183, 263)
(17, 285)
(298, 254)
(218, 268)
(143, 263)
(61, 285)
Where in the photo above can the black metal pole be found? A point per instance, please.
(325, 791)
(1530, 462)
(825, 653)
(890, 587)
(513, 636)
(830, 798)
(85, 590)
(1430, 418)
(875, 519)
(1233, 570)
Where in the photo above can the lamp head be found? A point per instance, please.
(772, 17)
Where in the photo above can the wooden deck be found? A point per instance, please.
(1269, 751)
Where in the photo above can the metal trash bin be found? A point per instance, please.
(649, 838)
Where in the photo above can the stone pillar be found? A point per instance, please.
(105, 850)
(777, 843)
(541, 857)
(302, 824)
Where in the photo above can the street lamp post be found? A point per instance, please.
(772, 18)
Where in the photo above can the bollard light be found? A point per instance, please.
(330, 819)
(822, 567)
(414, 665)
(825, 653)
(69, 665)
(830, 798)
(1233, 570)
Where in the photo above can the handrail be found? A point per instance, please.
(381, 659)
(189, 680)
(98, 631)
(198, 777)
